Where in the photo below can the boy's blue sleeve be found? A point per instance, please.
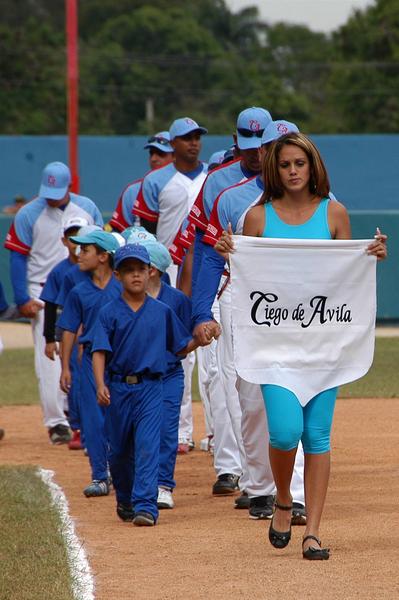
(204, 294)
(177, 336)
(101, 339)
(72, 314)
(18, 274)
(66, 286)
(51, 288)
(184, 311)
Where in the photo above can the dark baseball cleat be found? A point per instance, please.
(226, 484)
(261, 507)
(298, 514)
(143, 519)
(60, 434)
(125, 512)
(98, 487)
(242, 502)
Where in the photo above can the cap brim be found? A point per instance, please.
(82, 239)
(50, 193)
(248, 143)
(140, 258)
(201, 130)
(162, 147)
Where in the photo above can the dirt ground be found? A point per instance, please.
(204, 549)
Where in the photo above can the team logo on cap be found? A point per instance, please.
(254, 125)
(51, 180)
(281, 128)
(189, 121)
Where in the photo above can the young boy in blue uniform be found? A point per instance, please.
(132, 339)
(81, 311)
(49, 295)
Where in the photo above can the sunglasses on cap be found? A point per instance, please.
(248, 133)
(158, 140)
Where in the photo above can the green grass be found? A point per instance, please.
(33, 556)
(19, 384)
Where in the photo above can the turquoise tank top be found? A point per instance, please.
(315, 228)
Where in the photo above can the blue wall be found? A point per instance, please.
(363, 171)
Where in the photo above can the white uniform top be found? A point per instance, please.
(37, 231)
(166, 197)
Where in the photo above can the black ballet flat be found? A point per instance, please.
(315, 553)
(279, 539)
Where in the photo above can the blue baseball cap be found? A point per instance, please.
(136, 251)
(56, 178)
(100, 238)
(160, 141)
(217, 157)
(276, 129)
(133, 235)
(251, 124)
(183, 126)
(159, 254)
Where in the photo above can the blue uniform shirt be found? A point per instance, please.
(139, 341)
(83, 304)
(181, 306)
(71, 278)
(54, 281)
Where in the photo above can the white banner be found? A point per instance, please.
(303, 312)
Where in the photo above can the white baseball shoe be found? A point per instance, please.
(165, 498)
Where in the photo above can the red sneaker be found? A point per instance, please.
(183, 449)
(75, 443)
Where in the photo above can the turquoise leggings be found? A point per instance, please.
(290, 422)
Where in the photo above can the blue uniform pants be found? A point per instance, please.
(74, 392)
(290, 422)
(133, 425)
(93, 420)
(173, 388)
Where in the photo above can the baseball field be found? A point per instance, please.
(203, 548)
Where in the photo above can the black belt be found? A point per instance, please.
(134, 378)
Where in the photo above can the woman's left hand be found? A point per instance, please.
(379, 247)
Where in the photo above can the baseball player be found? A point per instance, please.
(35, 243)
(160, 154)
(49, 296)
(80, 312)
(230, 208)
(134, 398)
(229, 452)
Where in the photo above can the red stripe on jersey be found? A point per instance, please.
(177, 253)
(14, 243)
(197, 215)
(141, 209)
(117, 220)
(187, 237)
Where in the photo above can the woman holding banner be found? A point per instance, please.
(296, 205)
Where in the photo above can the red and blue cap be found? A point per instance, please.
(56, 179)
(276, 129)
(251, 124)
(184, 126)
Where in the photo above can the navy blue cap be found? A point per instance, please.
(136, 251)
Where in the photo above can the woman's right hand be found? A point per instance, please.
(225, 243)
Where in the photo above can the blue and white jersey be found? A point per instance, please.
(231, 207)
(218, 180)
(71, 278)
(54, 281)
(139, 341)
(166, 197)
(181, 306)
(83, 304)
(37, 231)
(122, 217)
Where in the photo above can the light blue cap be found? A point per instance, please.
(100, 238)
(160, 141)
(276, 129)
(217, 157)
(159, 254)
(88, 229)
(184, 126)
(136, 251)
(252, 122)
(56, 178)
(134, 235)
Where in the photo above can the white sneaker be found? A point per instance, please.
(165, 498)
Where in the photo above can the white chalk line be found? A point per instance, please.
(81, 575)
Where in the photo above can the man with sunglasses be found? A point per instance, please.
(160, 154)
(229, 453)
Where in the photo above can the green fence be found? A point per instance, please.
(363, 226)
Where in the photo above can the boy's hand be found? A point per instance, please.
(51, 350)
(103, 396)
(30, 308)
(203, 332)
(65, 380)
